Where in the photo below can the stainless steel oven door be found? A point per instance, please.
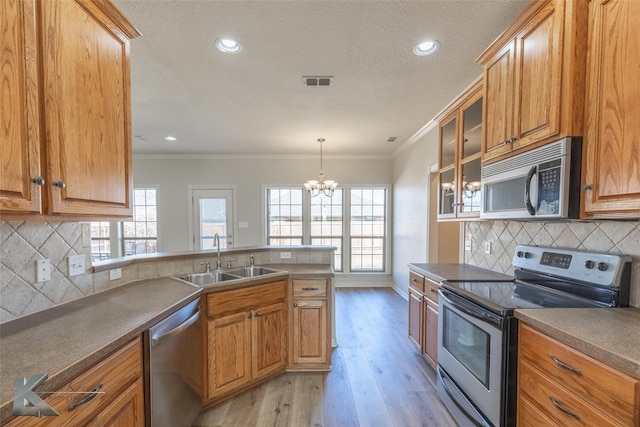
(470, 351)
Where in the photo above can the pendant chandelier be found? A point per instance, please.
(326, 187)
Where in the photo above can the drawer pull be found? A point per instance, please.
(561, 408)
(563, 365)
(433, 290)
(309, 289)
(87, 399)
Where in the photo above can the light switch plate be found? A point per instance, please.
(285, 255)
(115, 274)
(76, 265)
(43, 270)
(487, 248)
(243, 224)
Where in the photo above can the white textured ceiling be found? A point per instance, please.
(254, 102)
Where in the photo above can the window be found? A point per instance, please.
(368, 224)
(326, 223)
(140, 236)
(115, 239)
(100, 241)
(284, 216)
(353, 220)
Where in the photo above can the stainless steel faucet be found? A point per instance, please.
(207, 267)
(251, 260)
(216, 240)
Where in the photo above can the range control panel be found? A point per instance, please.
(591, 267)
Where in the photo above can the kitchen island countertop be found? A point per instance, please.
(609, 335)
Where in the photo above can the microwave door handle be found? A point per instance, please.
(527, 191)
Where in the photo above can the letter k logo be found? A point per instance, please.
(23, 394)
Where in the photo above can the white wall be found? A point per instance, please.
(248, 174)
(410, 205)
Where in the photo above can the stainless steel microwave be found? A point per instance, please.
(543, 183)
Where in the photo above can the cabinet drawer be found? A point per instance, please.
(560, 404)
(309, 288)
(233, 301)
(431, 290)
(596, 383)
(114, 374)
(416, 281)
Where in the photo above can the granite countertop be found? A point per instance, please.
(606, 334)
(457, 273)
(65, 340)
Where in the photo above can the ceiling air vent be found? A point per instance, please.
(317, 80)
(392, 139)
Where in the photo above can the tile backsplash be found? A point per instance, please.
(619, 237)
(21, 244)
(24, 242)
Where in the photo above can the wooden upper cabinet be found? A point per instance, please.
(19, 131)
(611, 168)
(80, 84)
(534, 78)
(460, 156)
(498, 107)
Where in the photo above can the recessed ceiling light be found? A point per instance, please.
(170, 138)
(228, 45)
(425, 48)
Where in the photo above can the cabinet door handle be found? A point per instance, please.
(250, 315)
(586, 187)
(563, 409)
(512, 140)
(86, 399)
(295, 304)
(38, 180)
(59, 184)
(309, 289)
(563, 365)
(256, 314)
(433, 290)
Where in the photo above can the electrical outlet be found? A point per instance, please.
(43, 270)
(115, 274)
(467, 245)
(76, 264)
(487, 248)
(285, 255)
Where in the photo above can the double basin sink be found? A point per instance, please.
(213, 277)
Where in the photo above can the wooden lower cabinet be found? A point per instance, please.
(431, 330)
(125, 411)
(310, 336)
(310, 326)
(423, 316)
(119, 402)
(415, 317)
(570, 388)
(246, 338)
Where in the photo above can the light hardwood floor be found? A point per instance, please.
(377, 379)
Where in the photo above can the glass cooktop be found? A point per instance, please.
(504, 297)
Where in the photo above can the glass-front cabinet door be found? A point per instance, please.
(460, 157)
(447, 166)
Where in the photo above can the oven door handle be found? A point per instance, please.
(473, 311)
(527, 191)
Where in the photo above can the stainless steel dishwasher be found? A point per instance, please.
(173, 377)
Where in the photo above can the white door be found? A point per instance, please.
(212, 213)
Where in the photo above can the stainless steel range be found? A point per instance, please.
(477, 330)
